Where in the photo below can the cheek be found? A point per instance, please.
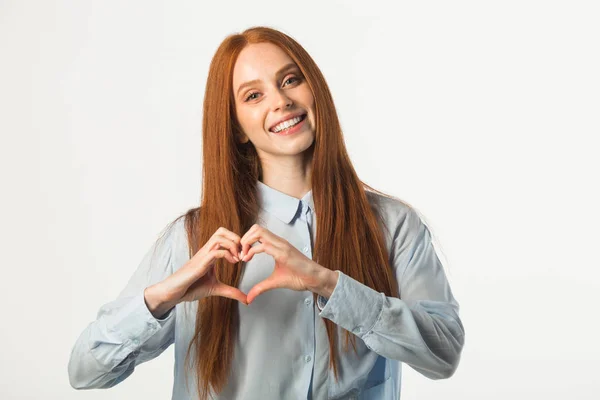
(313, 117)
(256, 119)
(249, 120)
(253, 125)
(310, 102)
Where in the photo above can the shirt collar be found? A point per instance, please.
(281, 205)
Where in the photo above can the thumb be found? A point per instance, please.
(223, 290)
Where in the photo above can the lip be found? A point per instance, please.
(290, 116)
(293, 130)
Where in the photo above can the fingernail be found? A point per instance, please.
(236, 259)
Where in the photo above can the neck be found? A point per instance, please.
(291, 175)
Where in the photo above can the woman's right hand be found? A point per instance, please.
(196, 279)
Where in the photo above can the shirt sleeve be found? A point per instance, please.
(422, 328)
(125, 333)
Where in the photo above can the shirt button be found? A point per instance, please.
(135, 342)
(305, 249)
(307, 302)
(307, 358)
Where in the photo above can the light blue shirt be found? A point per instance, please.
(282, 351)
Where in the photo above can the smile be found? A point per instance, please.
(289, 126)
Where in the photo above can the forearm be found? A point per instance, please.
(107, 351)
(427, 335)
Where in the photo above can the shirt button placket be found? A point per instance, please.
(306, 217)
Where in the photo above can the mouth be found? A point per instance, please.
(289, 124)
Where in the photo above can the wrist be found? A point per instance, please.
(156, 301)
(326, 280)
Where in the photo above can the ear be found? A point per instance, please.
(240, 136)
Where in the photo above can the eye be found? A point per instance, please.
(250, 95)
(291, 77)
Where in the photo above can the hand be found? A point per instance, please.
(293, 270)
(196, 279)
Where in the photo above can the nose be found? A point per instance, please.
(280, 100)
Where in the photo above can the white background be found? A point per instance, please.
(483, 115)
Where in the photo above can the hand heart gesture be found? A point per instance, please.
(293, 270)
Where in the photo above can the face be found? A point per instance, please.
(269, 88)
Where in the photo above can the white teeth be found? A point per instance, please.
(286, 124)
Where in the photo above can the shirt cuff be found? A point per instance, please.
(135, 324)
(321, 300)
(353, 306)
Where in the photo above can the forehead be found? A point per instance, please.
(258, 61)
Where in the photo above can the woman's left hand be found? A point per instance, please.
(293, 270)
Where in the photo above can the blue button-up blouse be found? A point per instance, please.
(282, 351)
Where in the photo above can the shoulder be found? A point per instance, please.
(174, 229)
(394, 210)
(174, 238)
(402, 220)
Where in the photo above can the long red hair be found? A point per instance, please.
(349, 234)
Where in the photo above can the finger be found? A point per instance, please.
(222, 254)
(222, 241)
(261, 235)
(223, 290)
(255, 233)
(268, 284)
(244, 240)
(249, 231)
(234, 239)
(259, 248)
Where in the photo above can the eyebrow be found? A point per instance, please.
(281, 70)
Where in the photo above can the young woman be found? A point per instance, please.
(289, 260)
